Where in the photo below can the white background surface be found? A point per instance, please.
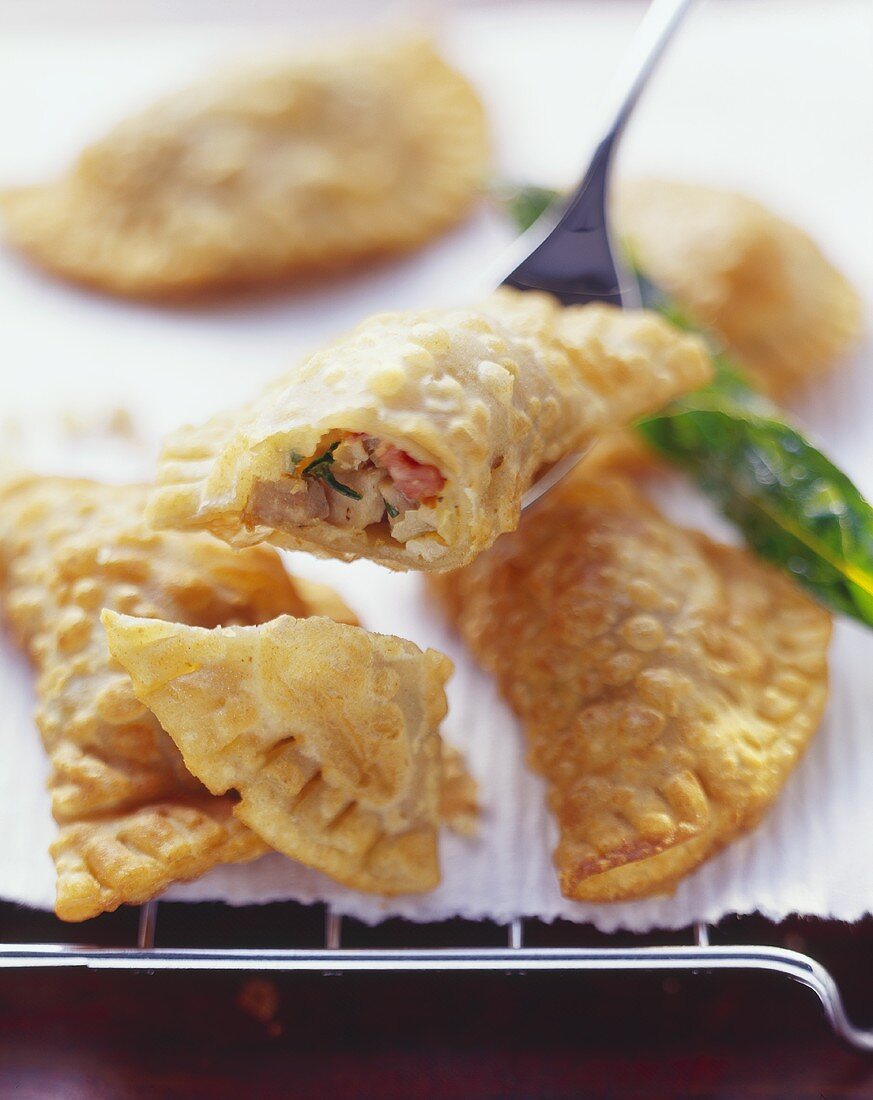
(773, 97)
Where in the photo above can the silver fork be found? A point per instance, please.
(570, 253)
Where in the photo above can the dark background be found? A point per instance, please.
(75, 1034)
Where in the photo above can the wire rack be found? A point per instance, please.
(515, 956)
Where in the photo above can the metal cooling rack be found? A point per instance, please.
(333, 958)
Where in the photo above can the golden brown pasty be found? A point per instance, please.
(330, 735)
(754, 279)
(667, 685)
(313, 163)
(412, 440)
(132, 818)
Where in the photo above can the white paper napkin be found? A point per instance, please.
(771, 98)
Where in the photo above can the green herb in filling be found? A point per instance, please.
(391, 510)
(320, 467)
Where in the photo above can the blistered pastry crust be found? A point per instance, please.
(757, 281)
(486, 395)
(132, 818)
(667, 685)
(329, 733)
(292, 168)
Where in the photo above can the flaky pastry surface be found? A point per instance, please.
(312, 163)
(480, 398)
(667, 685)
(329, 733)
(132, 818)
(754, 279)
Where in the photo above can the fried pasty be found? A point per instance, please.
(133, 820)
(754, 279)
(412, 440)
(315, 163)
(667, 685)
(329, 733)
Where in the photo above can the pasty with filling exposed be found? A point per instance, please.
(412, 440)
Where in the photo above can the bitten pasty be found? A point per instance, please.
(314, 163)
(330, 735)
(759, 282)
(667, 685)
(412, 440)
(132, 818)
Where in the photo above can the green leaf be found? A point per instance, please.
(793, 505)
(391, 510)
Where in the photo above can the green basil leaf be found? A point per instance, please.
(794, 507)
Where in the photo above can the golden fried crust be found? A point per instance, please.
(667, 685)
(128, 858)
(67, 549)
(754, 279)
(264, 175)
(330, 735)
(486, 395)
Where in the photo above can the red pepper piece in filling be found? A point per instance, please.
(416, 480)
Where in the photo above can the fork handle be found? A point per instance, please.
(573, 257)
(657, 27)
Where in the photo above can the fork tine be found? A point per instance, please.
(573, 257)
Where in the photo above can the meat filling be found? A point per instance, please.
(355, 481)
